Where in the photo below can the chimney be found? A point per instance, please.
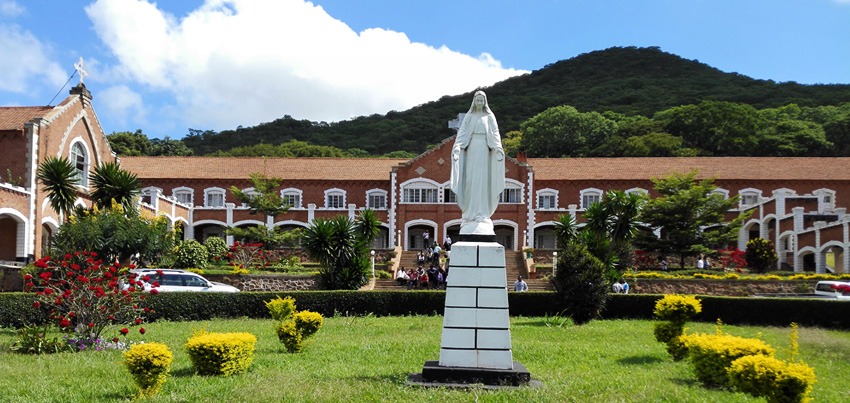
(521, 157)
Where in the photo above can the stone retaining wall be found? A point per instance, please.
(260, 282)
(729, 288)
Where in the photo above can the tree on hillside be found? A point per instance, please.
(563, 131)
(690, 217)
(138, 144)
(719, 128)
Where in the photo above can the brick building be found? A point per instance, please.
(796, 202)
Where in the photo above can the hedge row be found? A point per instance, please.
(16, 308)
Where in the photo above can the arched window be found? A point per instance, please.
(512, 192)
(214, 197)
(185, 195)
(292, 197)
(749, 197)
(376, 199)
(590, 196)
(826, 198)
(80, 161)
(547, 199)
(419, 191)
(722, 192)
(335, 199)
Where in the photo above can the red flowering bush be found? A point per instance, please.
(645, 261)
(731, 258)
(84, 295)
(248, 256)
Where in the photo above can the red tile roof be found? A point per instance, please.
(729, 168)
(242, 167)
(14, 117)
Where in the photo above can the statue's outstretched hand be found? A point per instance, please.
(456, 154)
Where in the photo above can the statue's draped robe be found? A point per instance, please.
(477, 176)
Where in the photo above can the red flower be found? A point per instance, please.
(93, 254)
(30, 285)
(142, 330)
(146, 278)
(111, 317)
(64, 323)
(216, 258)
(124, 331)
(67, 256)
(28, 277)
(36, 304)
(159, 272)
(132, 266)
(154, 291)
(115, 339)
(91, 325)
(48, 291)
(138, 321)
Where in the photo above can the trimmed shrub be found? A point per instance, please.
(216, 248)
(776, 380)
(677, 308)
(580, 283)
(149, 364)
(281, 308)
(221, 353)
(191, 254)
(666, 331)
(289, 335)
(308, 322)
(761, 255)
(711, 355)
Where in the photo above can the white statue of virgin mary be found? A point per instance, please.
(478, 167)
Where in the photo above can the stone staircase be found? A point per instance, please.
(514, 266)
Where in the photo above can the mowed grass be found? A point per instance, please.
(369, 359)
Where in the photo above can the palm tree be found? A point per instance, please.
(58, 176)
(341, 246)
(111, 182)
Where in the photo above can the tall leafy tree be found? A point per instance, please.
(265, 200)
(341, 245)
(580, 283)
(690, 217)
(111, 182)
(563, 131)
(719, 128)
(58, 176)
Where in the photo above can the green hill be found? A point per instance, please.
(628, 80)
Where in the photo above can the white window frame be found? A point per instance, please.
(546, 192)
(751, 192)
(639, 191)
(721, 191)
(421, 184)
(589, 192)
(215, 191)
(377, 192)
(81, 173)
(826, 198)
(293, 192)
(183, 189)
(335, 192)
(513, 185)
(250, 192)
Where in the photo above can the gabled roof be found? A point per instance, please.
(726, 168)
(241, 167)
(14, 117)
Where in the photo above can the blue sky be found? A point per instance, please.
(165, 67)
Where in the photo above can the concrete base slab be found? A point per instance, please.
(433, 373)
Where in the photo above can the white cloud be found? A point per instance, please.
(235, 62)
(123, 104)
(27, 63)
(11, 8)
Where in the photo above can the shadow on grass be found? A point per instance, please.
(184, 372)
(639, 360)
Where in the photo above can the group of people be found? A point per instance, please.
(434, 278)
(620, 287)
(703, 263)
(431, 256)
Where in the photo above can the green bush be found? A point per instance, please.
(33, 339)
(580, 283)
(216, 248)
(711, 355)
(281, 309)
(191, 254)
(308, 322)
(221, 353)
(761, 255)
(677, 308)
(666, 331)
(776, 380)
(149, 364)
(289, 335)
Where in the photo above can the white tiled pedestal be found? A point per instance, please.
(476, 324)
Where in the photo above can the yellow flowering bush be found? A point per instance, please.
(677, 308)
(281, 308)
(149, 364)
(666, 331)
(221, 353)
(289, 335)
(712, 354)
(308, 322)
(776, 380)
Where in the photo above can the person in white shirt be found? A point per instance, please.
(520, 285)
(401, 276)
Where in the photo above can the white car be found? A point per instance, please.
(833, 289)
(171, 280)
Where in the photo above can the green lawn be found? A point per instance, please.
(368, 359)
